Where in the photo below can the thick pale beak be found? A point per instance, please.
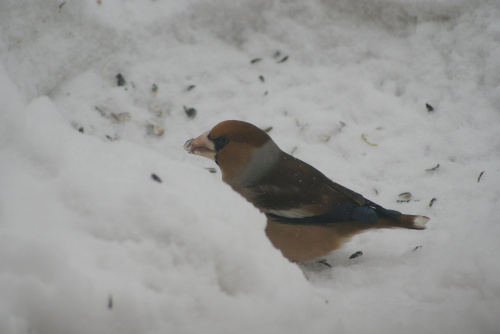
(201, 145)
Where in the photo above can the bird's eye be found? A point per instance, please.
(220, 142)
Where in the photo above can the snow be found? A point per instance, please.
(90, 243)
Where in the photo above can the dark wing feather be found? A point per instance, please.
(300, 194)
(341, 212)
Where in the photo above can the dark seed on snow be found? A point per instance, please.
(120, 80)
(355, 255)
(432, 169)
(283, 60)
(190, 112)
(479, 177)
(325, 263)
(100, 111)
(429, 107)
(156, 178)
(255, 60)
(431, 203)
(190, 87)
(261, 78)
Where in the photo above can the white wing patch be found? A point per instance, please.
(291, 213)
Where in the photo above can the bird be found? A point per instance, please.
(308, 215)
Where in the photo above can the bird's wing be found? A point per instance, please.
(300, 194)
(339, 212)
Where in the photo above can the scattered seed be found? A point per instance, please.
(190, 112)
(154, 88)
(416, 248)
(265, 93)
(261, 78)
(156, 178)
(121, 117)
(325, 263)
(62, 4)
(404, 197)
(112, 138)
(267, 130)
(120, 80)
(190, 88)
(366, 141)
(285, 58)
(432, 169)
(124, 116)
(99, 2)
(277, 54)
(431, 203)
(81, 129)
(211, 170)
(429, 107)
(110, 302)
(156, 109)
(480, 175)
(255, 60)
(325, 137)
(100, 111)
(294, 150)
(155, 129)
(376, 191)
(355, 255)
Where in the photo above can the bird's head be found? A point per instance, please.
(242, 150)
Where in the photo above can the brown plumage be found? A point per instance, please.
(308, 214)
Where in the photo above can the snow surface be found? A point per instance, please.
(90, 243)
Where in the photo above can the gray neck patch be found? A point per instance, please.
(262, 160)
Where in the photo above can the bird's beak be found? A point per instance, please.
(201, 145)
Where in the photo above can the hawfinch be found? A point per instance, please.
(308, 215)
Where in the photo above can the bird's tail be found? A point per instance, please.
(405, 221)
(392, 218)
